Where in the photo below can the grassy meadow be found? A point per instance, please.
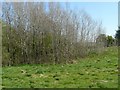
(94, 71)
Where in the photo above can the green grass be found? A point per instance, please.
(99, 71)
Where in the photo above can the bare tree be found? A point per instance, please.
(34, 34)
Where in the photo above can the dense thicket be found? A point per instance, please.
(47, 33)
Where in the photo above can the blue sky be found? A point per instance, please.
(107, 12)
(119, 14)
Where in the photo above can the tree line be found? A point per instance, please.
(107, 40)
(35, 33)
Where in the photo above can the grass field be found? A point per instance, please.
(99, 71)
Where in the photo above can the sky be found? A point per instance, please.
(107, 12)
(119, 14)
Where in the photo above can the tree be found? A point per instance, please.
(57, 35)
(101, 39)
(110, 41)
(117, 36)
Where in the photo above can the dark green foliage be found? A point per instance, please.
(117, 36)
(110, 41)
